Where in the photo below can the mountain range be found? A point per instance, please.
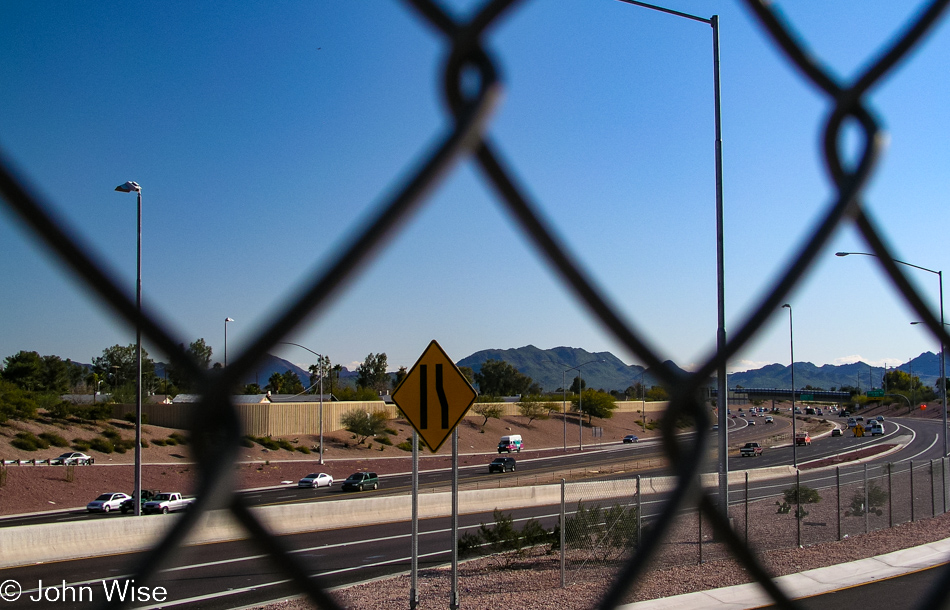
(555, 368)
(602, 370)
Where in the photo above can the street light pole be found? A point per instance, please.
(320, 361)
(791, 345)
(226, 320)
(943, 365)
(722, 399)
(130, 187)
(580, 404)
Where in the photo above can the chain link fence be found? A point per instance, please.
(215, 428)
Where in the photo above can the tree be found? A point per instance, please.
(320, 369)
(24, 370)
(274, 383)
(252, 388)
(284, 383)
(657, 393)
(488, 411)
(533, 408)
(578, 386)
(117, 364)
(595, 404)
(15, 402)
(401, 374)
(498, 378)
(468, 373)
(200, 353)
(363, 424)
(372, 373)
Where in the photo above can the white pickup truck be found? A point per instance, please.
(167, 503)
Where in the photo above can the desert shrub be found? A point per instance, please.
(179, 438)
(877, 497)
(160, 442)
(130, 417)
(80, 444)
(102, 445)
(112, 434)
(54, 439)
(503, 540)
(27, 441)
(247, 441)
(303, 449)
(171, 441)
(285, 444)
(391, 432)
(384, 440)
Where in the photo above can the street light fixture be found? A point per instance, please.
(722, 403)
(133, 187)
(226, 320)
(943, 371)
(791, 344)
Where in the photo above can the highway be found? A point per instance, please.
(235, 574)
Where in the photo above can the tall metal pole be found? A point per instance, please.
(137, 493)
(322, 373)
(580, 411)
(722, 400)
(791, 345)
(226, 320)
(564, 406)
(454, 602)
(129, 187)
(414, 569)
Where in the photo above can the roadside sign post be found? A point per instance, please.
(434, 396)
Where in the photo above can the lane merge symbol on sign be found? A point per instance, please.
(434, 396)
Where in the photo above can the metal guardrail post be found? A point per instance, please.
(912, 519)
(798, 503)
(747, 507)
(890, 496)
(867, 506)
(564, 527)
(838, 497)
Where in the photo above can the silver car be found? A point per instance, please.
(316, 479)
(107, 502)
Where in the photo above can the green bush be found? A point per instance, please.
(81, 444)
(801, 495)
(877, 497)
(303, 449)
(179, 438)
(247, 441)
(384, 440)
(102, 445)
(285, 444)
(391, 432)
(171, 441)
(160, 442)
(27, 441)
(112, 434)
(54, 439)
(503, 540)
(130, 417)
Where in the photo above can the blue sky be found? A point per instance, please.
(264, 134)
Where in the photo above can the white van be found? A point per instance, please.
(876, 428)
(510, 443)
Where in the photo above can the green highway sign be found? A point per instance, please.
(875, 393)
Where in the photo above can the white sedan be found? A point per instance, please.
(316, 479)
(72, 458)
(108, 501)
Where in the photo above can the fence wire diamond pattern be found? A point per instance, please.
(215, 430)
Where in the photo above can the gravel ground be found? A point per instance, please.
(534, 582)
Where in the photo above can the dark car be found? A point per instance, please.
(631, 438)
(502, 464)
(358, 481)
(147, 495)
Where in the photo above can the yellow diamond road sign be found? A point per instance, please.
(434, 396)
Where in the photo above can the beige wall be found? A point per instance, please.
(288, 418)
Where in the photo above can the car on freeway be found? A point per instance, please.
(742, 415)
(836, 432)
(72, 458)
(107, 502)
(859, 419)
(631, 438)
(880, 418)
(876, 428)
(147, 495)
(359, 481)
(715, 428)
(316, 479)
(769, 419)
(502, 464)
(751, 422)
